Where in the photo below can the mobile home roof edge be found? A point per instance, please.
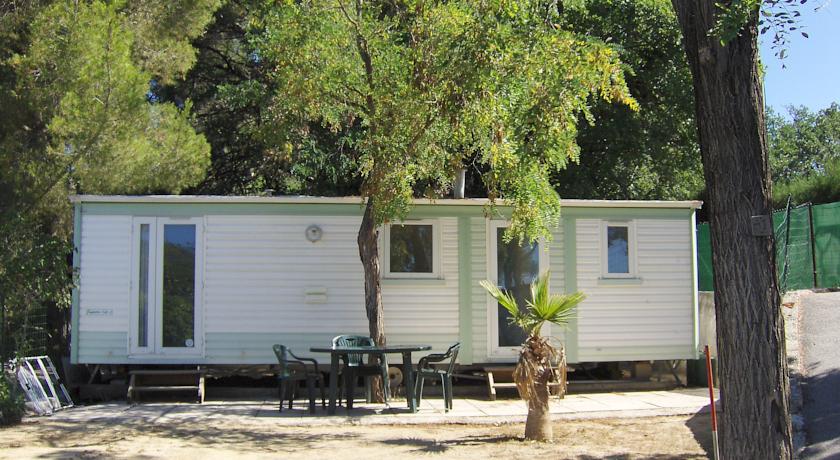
(211, 199)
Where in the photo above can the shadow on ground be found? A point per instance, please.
(435, 446)
(700, 425)
(90, 433)
(821, 410)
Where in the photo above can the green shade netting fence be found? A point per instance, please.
(793, 241)
(795, 262)
(827, 244)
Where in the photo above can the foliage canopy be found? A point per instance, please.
(77, 118)
(415, 90)
(651, 153)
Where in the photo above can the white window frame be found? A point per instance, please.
(155, 346)
(496, 352)
(436, 251)
(632, 259)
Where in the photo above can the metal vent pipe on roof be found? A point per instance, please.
(460, 183)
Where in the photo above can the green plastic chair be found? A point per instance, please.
(426, 369)
(293, 370)
(354, 365)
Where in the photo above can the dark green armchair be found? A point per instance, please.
(292, 370)
(426, 369)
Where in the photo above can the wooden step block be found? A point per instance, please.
(168, 388)
(163, 380)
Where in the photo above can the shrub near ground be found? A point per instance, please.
(11, 402)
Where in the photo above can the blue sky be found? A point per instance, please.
(812, 76)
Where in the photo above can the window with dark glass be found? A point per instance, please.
(143, 289)
(178, 285)
(411, 248)
(517, 267)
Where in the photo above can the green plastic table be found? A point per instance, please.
(337, 352)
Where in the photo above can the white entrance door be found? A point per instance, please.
(166, 287)
(513, 268)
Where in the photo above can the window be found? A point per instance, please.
(411, 250)
(618, 253)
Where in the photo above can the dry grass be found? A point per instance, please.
(644, 438)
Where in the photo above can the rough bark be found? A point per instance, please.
(368, 240)
(532, 375)
(750, 329)
(538, 423)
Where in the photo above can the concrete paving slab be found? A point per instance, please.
(431, 411)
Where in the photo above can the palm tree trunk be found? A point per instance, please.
(538, 423)
(532, 376)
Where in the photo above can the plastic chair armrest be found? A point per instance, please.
(314, 363)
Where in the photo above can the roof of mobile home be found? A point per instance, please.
(210, 199)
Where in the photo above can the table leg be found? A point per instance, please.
(333, 382)
(349, 386)
(408, 373)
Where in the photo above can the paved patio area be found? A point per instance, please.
(465, 411)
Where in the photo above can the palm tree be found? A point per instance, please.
(535, 368)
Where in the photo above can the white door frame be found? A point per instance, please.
(155, 346)
(495, 352)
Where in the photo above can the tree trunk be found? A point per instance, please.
(538, 423)
(750, 331)
(369, 253)
(532, 375)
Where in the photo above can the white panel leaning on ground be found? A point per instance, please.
(218, 280)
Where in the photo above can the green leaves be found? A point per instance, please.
(80, 73)
(78, 118)
(424, 88)
(804, 152)
(543, 307)
(162, 33)
(651, 153)
(505, 299)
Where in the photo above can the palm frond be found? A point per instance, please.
(556, 308)
(539, 289)
(543, 306)
(505, 299)
(559, 309)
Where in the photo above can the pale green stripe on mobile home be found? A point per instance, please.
(570, 281)
(98, 347)
(465, 290)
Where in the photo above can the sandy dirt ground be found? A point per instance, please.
(677, 437)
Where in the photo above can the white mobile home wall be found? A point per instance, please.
(265, 283)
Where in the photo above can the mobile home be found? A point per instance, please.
(217, 280)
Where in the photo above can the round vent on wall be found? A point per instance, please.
(314, 233)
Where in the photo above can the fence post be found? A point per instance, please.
(813, 244)
(786, 265)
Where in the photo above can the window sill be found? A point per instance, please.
(413, 281)
(619, 281)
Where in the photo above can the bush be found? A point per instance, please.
(817, 188)
(11, 402)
